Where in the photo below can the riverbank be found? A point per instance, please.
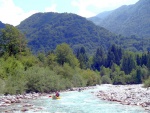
(134, 95)
(7, 102)
(10, 100)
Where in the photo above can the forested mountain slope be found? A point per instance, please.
(129, 20)
(100, 17)
(46, 30)
(2, 25)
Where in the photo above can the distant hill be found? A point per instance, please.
(128, 20)
(2, 25)
(100, 17)
(45, 31)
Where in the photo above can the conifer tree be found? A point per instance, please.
(82, 57)
(98, 59)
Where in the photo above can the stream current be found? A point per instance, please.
(78, 102)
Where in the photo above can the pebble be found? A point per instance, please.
(126, 95)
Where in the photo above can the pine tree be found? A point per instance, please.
(128, 63)
(138, 60)
(114, 56)
(82, 57)
(98, 59)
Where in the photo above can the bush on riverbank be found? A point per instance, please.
(45, 79)
(106, 79)
(147, 83)
(15, 85)
(2, 85)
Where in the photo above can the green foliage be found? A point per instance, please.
(60, 70)
(144, 72)
(136, 77)
(139, 76)
(42, 57)
(2, 86)
(82, 57)
(116, 72)
(131, 21)
(148, 60)
(64, 54)
(114, 55)
(68, 71)
(98, 59)
(147, 82)
(28, 61)
(2, 69)
(91, 77)
(74, 75)
(106, 79)
(15, 84)
(120, 21)
(52, 29)
(41, 80)
(12, 41)
(104, 71)
(128, 63)
(78, 80)
(119, 80)
(115, 68)
(51, 59)
(144, 59)
(11, 66)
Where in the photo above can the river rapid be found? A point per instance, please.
(74, 102)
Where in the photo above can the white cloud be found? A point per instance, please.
(51, 8)
(99, 5)
(11, 14)
(83, 5)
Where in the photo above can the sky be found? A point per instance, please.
(14, 11)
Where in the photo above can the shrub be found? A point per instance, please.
(91, 77)
(106, 79)
(11, 65)
(78, 80)
(119, 80)
(42, 79)
(147, 82)
(15, 85)
(2, 86)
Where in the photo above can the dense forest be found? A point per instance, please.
(63, 68)
(44, 31)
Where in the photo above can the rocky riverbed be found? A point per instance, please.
(134, 95)
(126, 95)
(8, 102)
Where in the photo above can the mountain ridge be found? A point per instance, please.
(45, 31)
(129, 20)
(2, 25)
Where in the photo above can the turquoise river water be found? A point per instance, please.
(80, 102)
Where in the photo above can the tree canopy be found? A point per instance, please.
(12, 41)
(65, 54)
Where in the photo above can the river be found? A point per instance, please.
(77, 102)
